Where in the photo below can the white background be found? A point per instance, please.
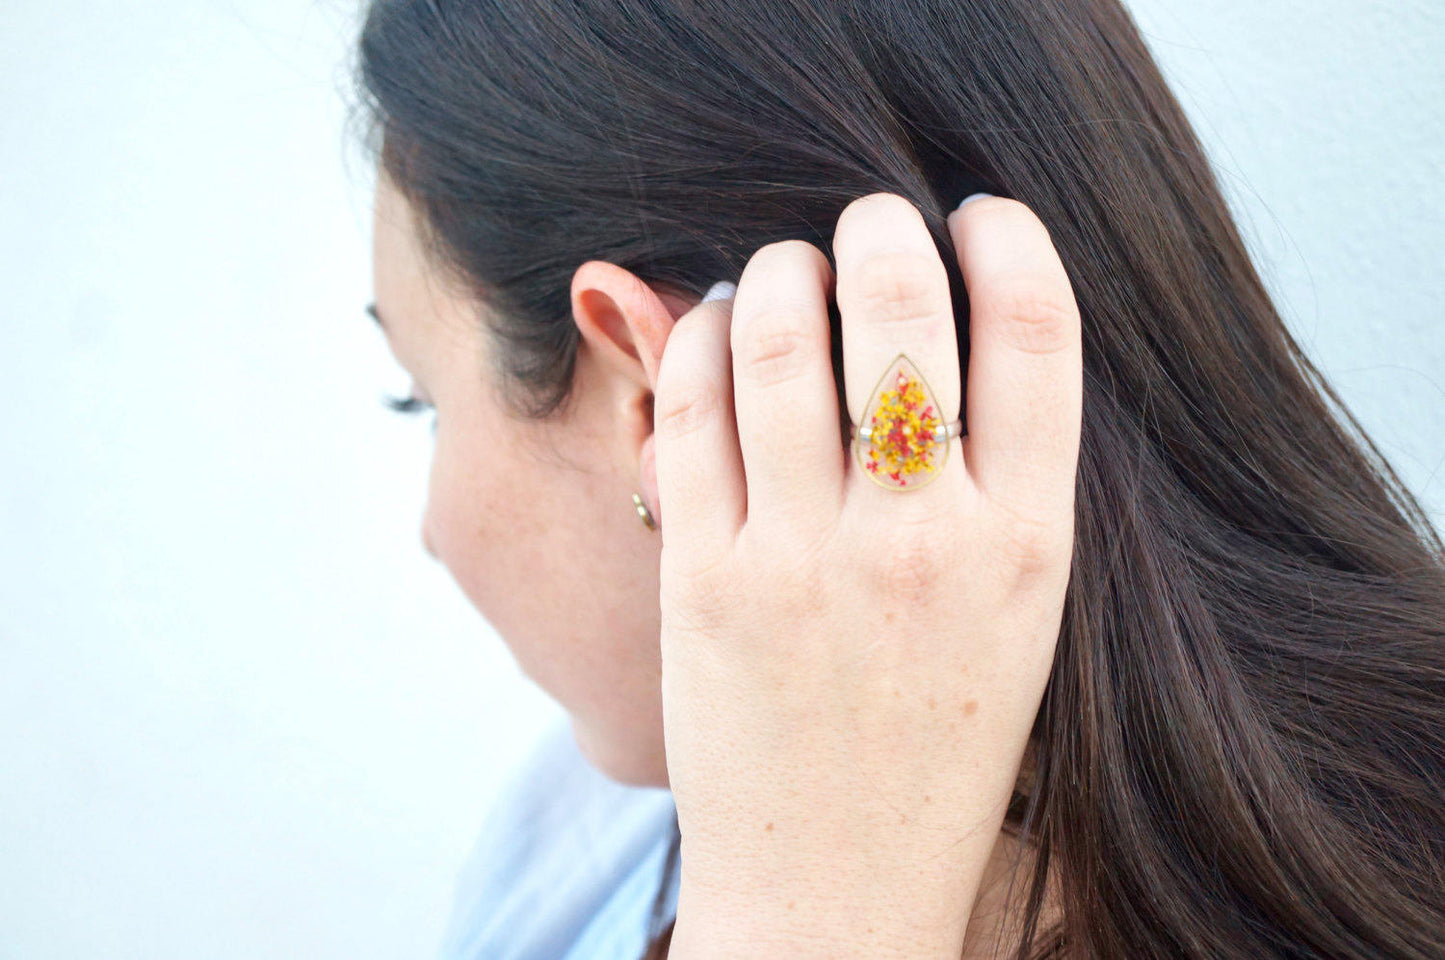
(241, 713)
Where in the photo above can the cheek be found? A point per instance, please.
(463, 502)
(485, 520)
(556, 561)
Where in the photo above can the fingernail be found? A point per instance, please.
(721, 290)
(972, 197)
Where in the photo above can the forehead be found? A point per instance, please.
(421, 313)
(398, 267)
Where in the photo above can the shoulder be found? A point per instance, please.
(566, 857)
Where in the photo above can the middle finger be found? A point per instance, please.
(894, 299)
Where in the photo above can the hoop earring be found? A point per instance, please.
(643, 514)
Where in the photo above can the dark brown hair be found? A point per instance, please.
(1240, 752)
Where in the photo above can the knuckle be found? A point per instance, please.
(1035, 316)
(909, 565)
(697, 592)
(898, 286)
(775, 350)
(681, 409)
(1033, 548)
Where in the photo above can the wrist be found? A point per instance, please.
(834, 913)
(895, 879)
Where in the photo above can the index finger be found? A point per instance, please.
(1025, 367)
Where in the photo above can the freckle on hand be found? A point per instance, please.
(768, 827)
(970, 707)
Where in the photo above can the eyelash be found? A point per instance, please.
(411, 406)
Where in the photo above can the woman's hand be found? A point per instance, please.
(850, 672)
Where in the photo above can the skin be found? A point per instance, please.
(851, 674)
(534, 520)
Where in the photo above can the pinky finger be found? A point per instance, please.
(701, 489)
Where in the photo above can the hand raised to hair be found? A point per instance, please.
(850, 668)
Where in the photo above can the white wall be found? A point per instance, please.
(241, 713)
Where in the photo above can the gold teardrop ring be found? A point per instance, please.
(904, 442)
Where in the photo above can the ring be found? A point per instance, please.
(898, 449)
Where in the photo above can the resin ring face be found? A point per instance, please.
(898, 322)
(903, 441)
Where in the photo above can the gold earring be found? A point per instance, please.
(643, 514)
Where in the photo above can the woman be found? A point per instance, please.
(1239, 751)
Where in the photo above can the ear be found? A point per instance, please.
(622, 320)
(625, 324)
